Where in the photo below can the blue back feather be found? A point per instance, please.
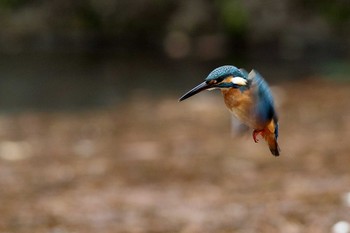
(265, 105)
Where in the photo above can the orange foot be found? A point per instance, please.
(256, 133)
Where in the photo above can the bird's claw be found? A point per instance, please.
(256, 133)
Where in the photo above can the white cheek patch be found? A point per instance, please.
(239, 81)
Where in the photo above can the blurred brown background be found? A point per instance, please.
(94, 140)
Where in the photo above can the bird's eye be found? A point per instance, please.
(215, 81)
(219, 79)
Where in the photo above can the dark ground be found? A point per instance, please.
(163, 166)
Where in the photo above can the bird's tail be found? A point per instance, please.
(273, 145)
(271, 138)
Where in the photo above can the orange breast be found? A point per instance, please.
(241, 104)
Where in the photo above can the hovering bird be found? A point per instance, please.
(248, 97)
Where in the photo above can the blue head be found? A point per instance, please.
(221, 77)
(223, 72)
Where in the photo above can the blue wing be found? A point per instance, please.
(264, 105)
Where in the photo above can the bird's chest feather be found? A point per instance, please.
(242, 104)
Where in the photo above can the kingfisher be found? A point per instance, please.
(248, 98)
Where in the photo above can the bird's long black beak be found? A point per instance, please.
(195, 90)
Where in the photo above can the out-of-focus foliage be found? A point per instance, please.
(234, 16)
(294, 28)
(336, 12)
(11, 4)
